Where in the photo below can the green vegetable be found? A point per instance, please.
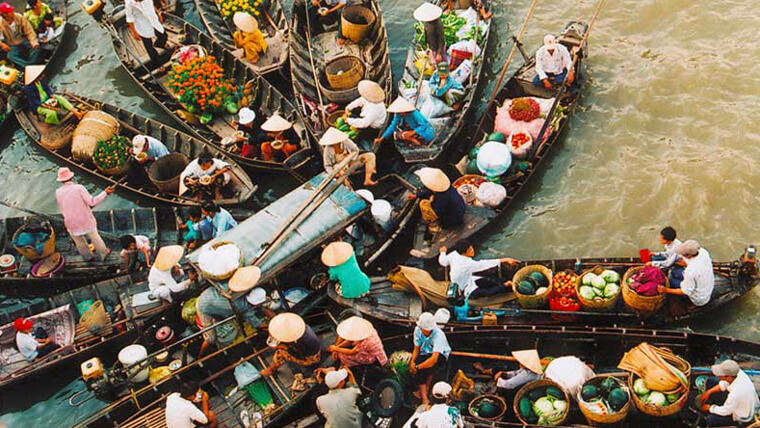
(611, 276)
(617, 399)
(608, 384)
(496, 136)
(589, 392)
(598, 282)
(526, 287)
(672, 398)
(543, 407)
(525, 409)
(536, 393)
(352, 134)
(639, 388)
(586, 292)
(473, 153)
(657, 398)
(555, 392)
(588, 278)
(560, 405)
(340, 122)
(611, 290)
(488, 409)
(539, 279)
(206, 118)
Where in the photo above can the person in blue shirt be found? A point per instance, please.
(408, 124)
(441, 205)
(431, 350)
(152, 148)
(199, 229)
(445, 87)
(220, 218)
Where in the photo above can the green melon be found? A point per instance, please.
(617, 398)
(525, 409)
(539, 278)
(555, 392)
(526, 287)
(535, 394)
(488, 409)
(497, 136)
(589, 392)
(608, 384)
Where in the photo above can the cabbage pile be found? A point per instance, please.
(655, 398)
(600, 287)
(543, 406)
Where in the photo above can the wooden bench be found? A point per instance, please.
(156, 418)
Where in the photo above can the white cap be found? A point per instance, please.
(334, 378)
(426, 321)
(726, 368)
(441, 390)
(550, 41)
(246, 116)
(138, 144)
(257, 296)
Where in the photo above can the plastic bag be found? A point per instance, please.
(491, 194)
(462, 73)
(421, 61)
(570, 373)
(465, 46)
(521, 151)
(430, 106)
(506, 125)
(246, 374)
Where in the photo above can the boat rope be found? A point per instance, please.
(72, 402)
(307, 36)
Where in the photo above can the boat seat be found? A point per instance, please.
(156, 418)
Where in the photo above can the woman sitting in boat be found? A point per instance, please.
(221, 219)
(161, 279)
(205, 177)
(32, 346)
(358, 344)
(530, 369)
(249, 135)
(429, 355)
(338, 147)
(445, 87)
(430, 15)
(339, 257)
(35, 14)
(371, 119)
(248, 37)
(408, 124)
(294, 342)
(441, 205)
(281, 139)
(40, 97)
(462, 266)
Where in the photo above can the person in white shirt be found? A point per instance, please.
(195, 172)
(132, 246)
(730, 397)
(146, 23)
(669, 259)
(161, 280)
(698, 277)
(462, 267)
(182, 409)
(553, 64)
(32, 345)
(373, 113)
(441, 414)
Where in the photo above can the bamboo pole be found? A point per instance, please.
(307, 36)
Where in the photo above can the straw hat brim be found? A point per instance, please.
(530, 359)
(355, 329)
(32, 73)
(401, 105)
(245, 279)
(434, 179)
(332, 137)
(276, 123)
(245, 22)
(287, 327)
(427, 12)
(337, 253)
(371, 91)
(169, 256)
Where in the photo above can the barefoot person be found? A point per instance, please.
(294, 342)
(358, 344)
(429, 355)
(338, 146)
(430, 15)
(367, 113)
(462, 268)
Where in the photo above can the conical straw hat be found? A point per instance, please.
(355, 329)
(32, 72)
(434, 179)
(529, 359)
(245, 279)
(169, 256)
(401, 105)
(333, 136)
(371, 91)
(337, 253)
(427, 12)
(287, 327)
(245, 22)
(276, 123)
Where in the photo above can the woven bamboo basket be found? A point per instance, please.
(654, 410)
(333, 117)
(344, 72)
(599, 420)
(117, 170)
(357, 22)
(605, 305)
(543, 383)
(475, 401)
(226, 275)
(643, 306)
(95, 126)
(165, 172)
(534, 301)
(30, 253)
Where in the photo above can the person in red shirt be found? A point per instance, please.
(282, 140)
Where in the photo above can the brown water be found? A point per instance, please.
(664, 136)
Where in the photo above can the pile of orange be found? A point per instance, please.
(200, 84)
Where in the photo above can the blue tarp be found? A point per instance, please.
(342, 206)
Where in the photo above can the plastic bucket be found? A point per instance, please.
(133, 354)
(381, 212)
(645, 255)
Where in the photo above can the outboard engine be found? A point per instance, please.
(107, 386)
(749, 261)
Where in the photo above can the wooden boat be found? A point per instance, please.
(263, 96)
(158, 224)
(602, 348)
(310, 55)
(386, 303)
(238, 191)
(59, 315)
(272, 23)
(449, 125)
(515, 180)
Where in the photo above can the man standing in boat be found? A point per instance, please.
(146, 23)
(553, 64)
(698, 277)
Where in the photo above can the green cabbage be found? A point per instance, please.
(598, 292)
(560, 405)
(611, 276)
(588, 278)
(587, 292)
(543, 407)
(598, 282)
(657, 398)
(639, 388)
(611, 290)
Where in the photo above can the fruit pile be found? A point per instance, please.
(524, 109)
(342, 125)
(229, 7)
(600, 287)
(655, 398)
(543, 406)
(563, 297)
(112, 153)
(519, 139)
(200, 84)
(533, 284)
(604, 395)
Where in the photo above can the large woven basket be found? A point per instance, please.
(165, 172)
(606, 305)
(31, 254)
(341, 97)
(535, 301)
(344, 72)
(95, 126)
(600, 420)
(333, 117)
(643, 306)
(496, 398)
(543, 383)
(357, 22)
(227, 275)
(654, 410)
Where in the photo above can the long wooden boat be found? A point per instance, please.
(272, 23)
(158, 224)
(309, 56)
(263, 96)
(449, 125)
(60, 316)
(601, 348)
(516, 179)
(386, 303)
(238, 191)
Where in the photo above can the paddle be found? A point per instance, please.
(52, 218)
(307, 36)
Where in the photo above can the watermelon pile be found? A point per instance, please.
(605, 395)
(600, 287)
(543, 406)
(533, 284)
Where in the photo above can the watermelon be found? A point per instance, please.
(488, 409)
(539, 278)
(497, 136)
(555, 392)
(472, 167)
(526, 288)
(589, 392)
(608, 384)
(535, 394)
(473, 154)
(617, 398)
(525, 409)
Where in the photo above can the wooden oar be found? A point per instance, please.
(314, 69)
(544, 361)
(271, 22)
(54, 219)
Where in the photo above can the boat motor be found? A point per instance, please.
(106, 385)
(95, 8)
(749, 261)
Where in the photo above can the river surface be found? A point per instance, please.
(664, 136)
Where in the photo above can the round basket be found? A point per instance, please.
(95, 126)
(357, 22)
(333, 117)
(534, 301)
(31, 253)
(467, 186)
(164, 173)
(117, 170)
(643, 306)
(226, 275)
(599, 420)
(344, 72)
(658, 411)
(605, 305)
(476, 401)
(543, 383)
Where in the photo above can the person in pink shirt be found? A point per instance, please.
(358, 344)
(76, 203)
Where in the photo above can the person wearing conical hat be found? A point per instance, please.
(17, 37)
(371, 119)
(248, 37)
(408, 124)
(249, 135)
(553, 64)
(338, 146)
(530, 369)
(358, 344)
(445, 87)
(161, 279)
(282, 140)
(441, 204)
(41, 99)
(430, 15)
(339, 257)
(294, 342)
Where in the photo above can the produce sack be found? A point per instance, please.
(430, 106)
(507, 125)
(246, 374)
(465, 46)
(95, 126)
(462, 73)
(570, 373)
(520, 144)
(646, 280)
(491, 194)
(220, 260)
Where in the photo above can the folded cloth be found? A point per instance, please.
(646, 280)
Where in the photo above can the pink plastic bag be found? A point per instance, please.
(506, 125)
